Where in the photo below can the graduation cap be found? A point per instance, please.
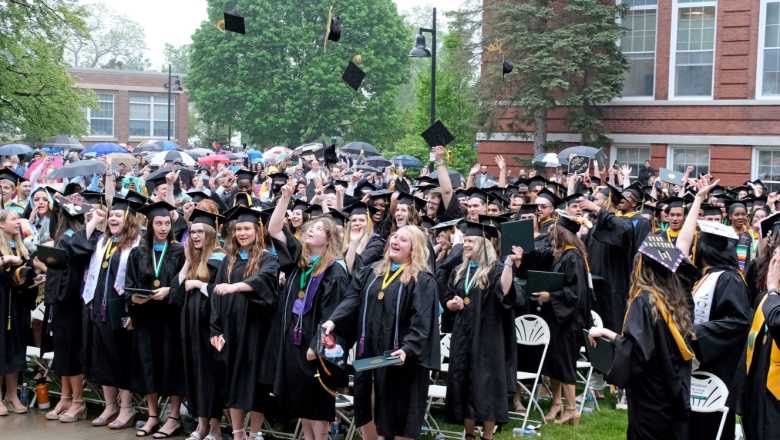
(536, 181)
(94, 198)
(364, 188)
(221, 206)
(717, 190)
(758, 182)
(242, 214)
(428, 180)
(197, 196)
(549, 196)
(246, 175)
(360, 208)
(159, 209)
(572, 199)
(527, 208)
(768, 223)
(661, 251)
(338, 217)
(506, 67)
(480, 230)
(299, 205)
(447, 224)
(499, 201)
(136, 197)
(756, 202)
(279, 177)
(410, 200)
(648, 209)
(426, 189)
(636, 190)
(716, 234)
(729, 203)
(330, 156)
(382, 194)
(671, 176)
(495, 221)
(74, 204)
(126, 205)
(353, 75)
(333, 30)
(329, 189)
(711, 210)
(312, 211)
(427, 222)
(735, 191)
(234, 22)
(6, 174)
(614, 195)
(675, 202)
(200, 216)
(437, 135)
(567, 222)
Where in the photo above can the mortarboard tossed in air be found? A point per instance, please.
(506, 67)
(447, 224)
(234, 22)
(437, 135)
(353, 76)
(671, 176)
(330, 157)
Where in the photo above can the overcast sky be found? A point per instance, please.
(174, 21)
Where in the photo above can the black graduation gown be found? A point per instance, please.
(64, 309)
(284, 364)
(749, 396)
(609, 246)
(453, 210)
(444, 268)
(483, 365)
(544, 227)
(751, 278)
(649, 365)
(156, 364)
(202, 373)
(373, 252)
(642, 228)
(17, 300)
(401, 392)
(106, 351)
(719, 344)
(566, 313)
(244, 319)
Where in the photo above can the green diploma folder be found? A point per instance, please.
(602, 355)
(543, 282)
(519, 233)
(374, 362)
(53, 257)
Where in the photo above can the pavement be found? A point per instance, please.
(34, 426)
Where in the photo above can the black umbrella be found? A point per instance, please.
(357, 147)
(378, 161)
(64, 142)
(365, 168)
(80, 168)
(185, 175)
(455, 177)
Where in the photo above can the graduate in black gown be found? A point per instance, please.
(566, 311)
(652, 356)
(364, 246)
(755, 392)
(156, 366)
(245, 297)
(628, 208)
(483, 366)
(107, 350)
(64, 309)
(316, 280)
(448, 258)
(393, 305)
(195, 285)
(16, 303)
(722, 311)
(408, 210)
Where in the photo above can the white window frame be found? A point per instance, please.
(754, 162)
(670, 155)
(673, 50)
(655, 53)
(760, 51)
(151, 119)
(90, 116)
(613, 155)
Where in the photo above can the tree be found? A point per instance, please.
(277, 85)
(565, 56)
(37, 95)
(178, 58)
(110, 35)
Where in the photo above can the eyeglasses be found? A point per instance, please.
(194, 233)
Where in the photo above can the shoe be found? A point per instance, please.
(570, 415)
(100, 421)
(3, 409)
(622, 404)
(166, 434)
(154, 429)
(70, 418)
(21, 409)
(236, 431)
(130, 422)
(553, 411)
(53, 415)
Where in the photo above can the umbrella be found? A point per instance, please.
(580, 150)
(124, 158)
(455, 177)
(201, 151)
(158, 146)
(240, 155)
(276, 151)
(407, 161)
(254, 154)
(365, 168)
(357, 147)
(185, 175)
(80, 168)
(50, 150)
(103, 148)
(172, 156)
(378, 161)
(44, 161)
(14, 149)
(211, 160)
(64, 142)
(549, 160)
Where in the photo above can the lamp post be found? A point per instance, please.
(420, 51)
(176, 87)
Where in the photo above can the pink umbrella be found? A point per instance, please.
(276, 151)
(211, 160)
(40, 162)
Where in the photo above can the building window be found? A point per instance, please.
(634, 157)
(149, 116)
(101, 122)
(766, 166)
(639, 47)
(694, 48)
(698, 158)
(769, 56)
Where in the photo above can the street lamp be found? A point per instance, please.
(420, 51)
(176, 87)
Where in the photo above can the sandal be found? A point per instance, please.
(172, 434)
(100, 421)
(194, 436)
(3, 409)
(236, 431)
(21, 409)
(154, 429)
(553, 412)
(66, 417)
(53, 414)
(130, 422)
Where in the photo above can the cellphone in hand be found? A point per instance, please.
(389, 355)
(124, 321)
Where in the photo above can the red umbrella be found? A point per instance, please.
(211, 160)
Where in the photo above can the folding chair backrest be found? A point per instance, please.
(532, 330)
(597, 322)
(708, 393)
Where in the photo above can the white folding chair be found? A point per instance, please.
(445, 353)
(436, 392)
(343, 402)
(583, 364)
(709, 395)
(531, 330)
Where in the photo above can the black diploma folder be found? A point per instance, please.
(374, 362)
(116, 311)
(519, 233)
(602, 355)
(53, 257)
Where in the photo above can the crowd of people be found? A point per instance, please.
(217, 286)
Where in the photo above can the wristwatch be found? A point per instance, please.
(773, 291)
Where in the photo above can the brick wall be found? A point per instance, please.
(124, 83)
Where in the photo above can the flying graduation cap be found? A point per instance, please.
(437, 134)
(234, 22)
(506, 67)
(333, 31)
(353, 75)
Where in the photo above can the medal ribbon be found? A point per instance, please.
(468, 285)
(773, 375)
(305, 275)
(158, 266)
(387, 282)
(110, 250)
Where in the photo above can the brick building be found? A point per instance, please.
(134, 106)
(703, 90)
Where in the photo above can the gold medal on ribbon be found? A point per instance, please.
(301, 295)
(764, 338)
(381, 296)
(156, 283)
(105, 264)
(467, 301)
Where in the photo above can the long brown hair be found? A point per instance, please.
(649, 275)
(200, 271)
(563, 238)
(255, 254)
(131, 229)
(417, 262)
(446, 236)
(333, 249)
(65, 224)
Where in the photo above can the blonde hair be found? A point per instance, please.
(5, 247)
(202, 255)
(483, 252)
(333, 248)
(255, 254)
(418, 260)
(363, 239)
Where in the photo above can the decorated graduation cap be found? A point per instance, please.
(74, 205)
(360, 208)
(200, 216)
(427, 222)
(716, 234)
(159, 209)
(437, 135)
(447, 224)
(661, 251)
(495, 221)
(567, 222)
(549, 196)
(768, 224)
(353, 76)
(234, 22)
(479, 230)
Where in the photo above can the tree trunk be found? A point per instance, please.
(540, 132)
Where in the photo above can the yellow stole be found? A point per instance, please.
(629, 215)
(687, 354)
(583, 257)
(773, 375)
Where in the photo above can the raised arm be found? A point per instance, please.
(685, 239)
(445, 184)
(502, 171)
(110, 185)
(276, 225)
(472, 173)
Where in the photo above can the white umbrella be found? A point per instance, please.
(201, 151)
(550, 160)
(160, 158)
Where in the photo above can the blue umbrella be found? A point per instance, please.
(103, 148)
(407, 161)
(14, 149)
(51, 150)
(255, 154)
(168, 146)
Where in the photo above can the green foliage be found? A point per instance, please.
(177, 57)
(37, 95)
(565, 55)
(276, 85)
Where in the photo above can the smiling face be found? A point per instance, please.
(296, 219)
(401, 215)
(545, 208)
(738, 217)
(116, 219)
(245, 234)
(162, 226)
(400, 245)
(41, 202)
(468, 247)
(675, 218)
(11, 224)
(476, 207)
(316, 236)
(360, 220)
(379, 204)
